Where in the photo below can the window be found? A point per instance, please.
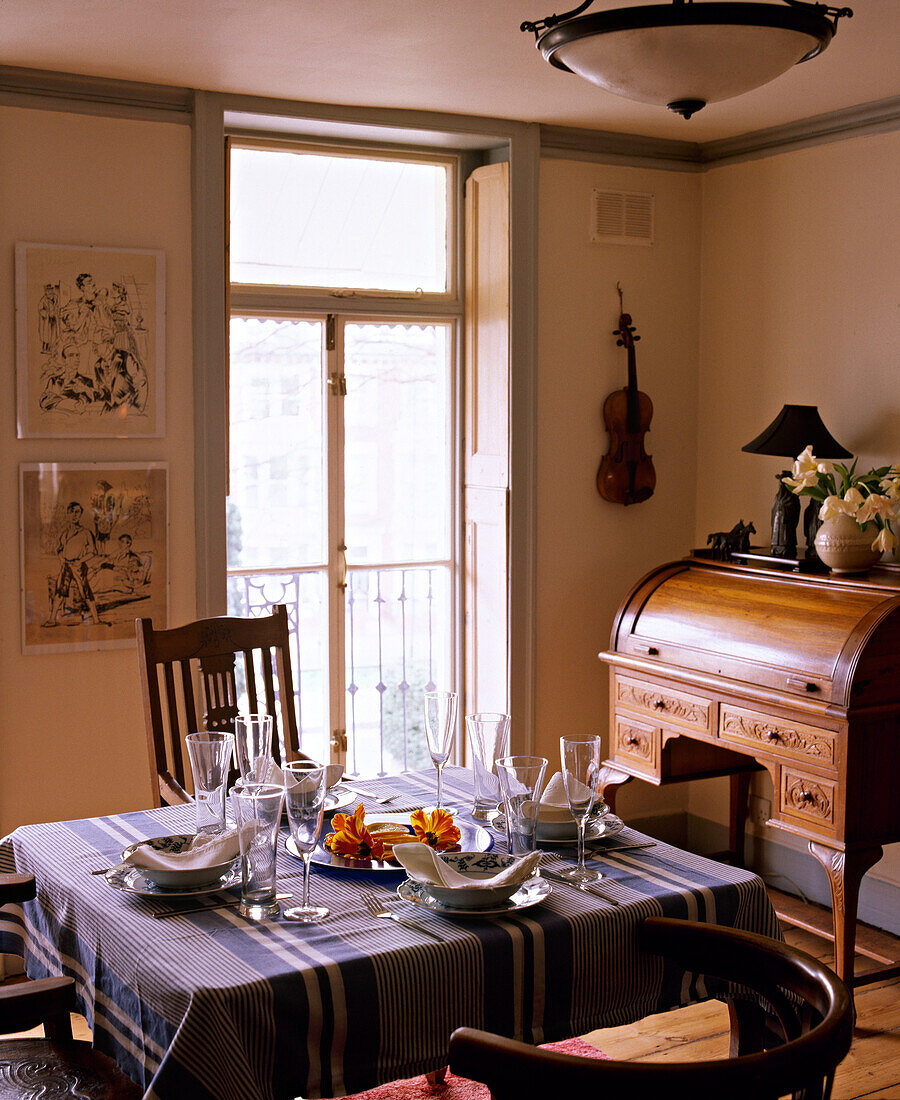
(343, 421)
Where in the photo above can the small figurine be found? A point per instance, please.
(725, 543)
(785, 516)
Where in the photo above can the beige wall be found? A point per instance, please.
(590, 552)
(72, 735)
(799, 305)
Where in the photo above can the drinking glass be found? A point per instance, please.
(440, 725)
(304, 796)
(210, 755)
(521, 782)
(488, 737)
(258, 811)
(580, 759)
(253, 746)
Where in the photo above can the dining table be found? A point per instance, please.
(202, 1002)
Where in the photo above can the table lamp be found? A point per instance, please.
(795, 427)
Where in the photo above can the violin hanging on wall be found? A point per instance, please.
(626, 474)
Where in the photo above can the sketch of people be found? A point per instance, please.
(65, 386)
(106, 508)
(48, 319)
(123, 572)
(74, 547)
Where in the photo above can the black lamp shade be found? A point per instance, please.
(796, 427)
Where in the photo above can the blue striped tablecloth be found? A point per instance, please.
(209, 1005)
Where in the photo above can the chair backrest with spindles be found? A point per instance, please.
(198, 662)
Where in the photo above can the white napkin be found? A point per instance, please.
(424, 865)
(554, 805)
(271, 773)
(206, 850)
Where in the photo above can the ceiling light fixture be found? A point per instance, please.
(684, 55)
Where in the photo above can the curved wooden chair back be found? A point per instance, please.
(189, 682)
(56, 1065)
(791, 1048)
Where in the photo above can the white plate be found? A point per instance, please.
(339, 799)
(134, 881)
(472, 839)
(608, 826)
(530, 893)
(178, 878)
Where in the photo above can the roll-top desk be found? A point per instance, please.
(717, 668)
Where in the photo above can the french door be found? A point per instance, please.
(342, 505)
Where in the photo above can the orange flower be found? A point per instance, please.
(352, 838)
(435, 829)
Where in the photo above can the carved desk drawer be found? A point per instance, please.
(662, 703)
(808, 798)
(637, 743)
(781, 736)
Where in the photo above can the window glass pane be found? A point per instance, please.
(397, 442)
(398, 630)
(319, 220)
(276, 506)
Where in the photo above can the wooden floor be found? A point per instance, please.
(871, 1070)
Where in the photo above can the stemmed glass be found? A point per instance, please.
(580, 760)
(304, 796)
(440, 725)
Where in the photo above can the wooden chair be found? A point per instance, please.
(792, 1049)
(205, 652)
(56, 1066)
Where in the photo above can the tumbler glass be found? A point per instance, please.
(521, 781)
(304, 796)
(253, 746)
(258, 810)
(488, 738)
(210, 754)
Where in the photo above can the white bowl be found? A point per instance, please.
(175, 879)
(475, 865)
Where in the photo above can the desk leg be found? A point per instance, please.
(436, 1076)
(737, 817)
(845, 871)
(610, 781)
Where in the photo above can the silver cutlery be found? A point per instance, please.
(378, 910)
(585, 887)
(209, 908)
(371, 797)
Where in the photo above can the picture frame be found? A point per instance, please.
(93, 543)
(90, 341)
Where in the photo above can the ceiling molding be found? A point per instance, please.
(94, 95)
(689, 156)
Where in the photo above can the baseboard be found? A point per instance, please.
(789, 870)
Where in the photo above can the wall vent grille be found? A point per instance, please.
(621, 217)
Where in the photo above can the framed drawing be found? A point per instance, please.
(93, 549)
(90, 341)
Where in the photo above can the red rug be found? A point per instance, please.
(461, 1088)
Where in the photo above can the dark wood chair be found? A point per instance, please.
(198, 663)
(57, 1065)
(792, 1048)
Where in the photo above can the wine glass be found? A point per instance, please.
(440, 726)
(304, 796)
(580, 760)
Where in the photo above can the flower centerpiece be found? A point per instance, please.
(871, 500)
(352, 838)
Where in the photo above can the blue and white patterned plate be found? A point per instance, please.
(132, 880)
(472, 839)
(533, 892)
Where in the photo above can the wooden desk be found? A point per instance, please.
(717, 669)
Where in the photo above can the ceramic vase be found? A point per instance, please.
(845, 547)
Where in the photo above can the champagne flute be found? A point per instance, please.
(440, 726)
(580, 759)
(304, 796)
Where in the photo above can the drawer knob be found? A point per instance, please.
(659, 704)
(632, 740)
(804, 685)
(805, 796)
(773, 735)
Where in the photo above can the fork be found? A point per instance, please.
(376, 908)
(371, 797)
